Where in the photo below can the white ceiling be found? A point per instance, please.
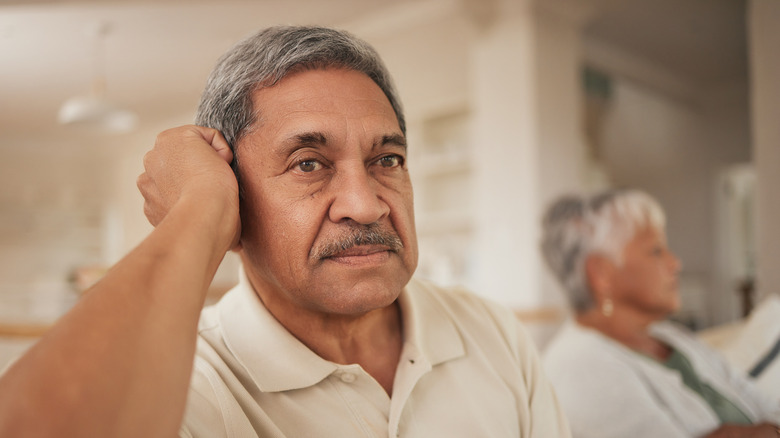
(158, 53)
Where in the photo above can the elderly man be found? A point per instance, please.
(326, 334)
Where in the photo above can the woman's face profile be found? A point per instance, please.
(647, 278)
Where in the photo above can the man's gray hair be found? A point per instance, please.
(577, 226)
(265, 58)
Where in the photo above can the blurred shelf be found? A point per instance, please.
(541, 315)
(23, 330)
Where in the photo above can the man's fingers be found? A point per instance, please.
(223, 150)
(217, 142)
(151, 204)
(182, 161)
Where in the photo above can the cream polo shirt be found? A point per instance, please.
(467, 369)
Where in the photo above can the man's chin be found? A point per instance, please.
(358, 306)
(360, 294)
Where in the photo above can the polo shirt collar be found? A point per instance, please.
(276, 360)
(428, 326)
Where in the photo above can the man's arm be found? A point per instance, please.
(119, 363)
(763, 430)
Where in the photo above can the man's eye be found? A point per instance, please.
(391, 161)
(309, 165)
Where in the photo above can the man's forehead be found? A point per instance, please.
(341, 89)
(319, 100)
(304, 124)
(312, 107)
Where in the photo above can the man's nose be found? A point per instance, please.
(356, 196)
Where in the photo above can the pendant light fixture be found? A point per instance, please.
(94, 111)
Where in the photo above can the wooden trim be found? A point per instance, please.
(541, 315)
(23, 330)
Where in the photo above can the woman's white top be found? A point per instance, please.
(608, 390)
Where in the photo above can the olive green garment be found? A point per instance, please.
(727, 411)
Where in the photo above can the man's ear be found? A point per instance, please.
(598, 271)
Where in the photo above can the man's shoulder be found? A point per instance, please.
(477, 318)
(208, 318)
(459, 301)
(213, 327)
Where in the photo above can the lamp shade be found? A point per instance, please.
(96, 113)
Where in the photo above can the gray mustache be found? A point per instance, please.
(358, 235)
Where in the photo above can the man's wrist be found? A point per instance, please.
(213, 215)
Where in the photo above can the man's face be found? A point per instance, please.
(327, 215)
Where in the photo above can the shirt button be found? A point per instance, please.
(347, 377)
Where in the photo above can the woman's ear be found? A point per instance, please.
(598, 272)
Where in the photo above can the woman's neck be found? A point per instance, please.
(628, 328)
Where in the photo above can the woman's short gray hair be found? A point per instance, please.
(265, 58)
(577, 226)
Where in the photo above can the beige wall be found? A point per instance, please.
(764, 40)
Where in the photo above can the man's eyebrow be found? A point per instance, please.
(392, 139)
(302, 140)
(308, 139)
(318, 139)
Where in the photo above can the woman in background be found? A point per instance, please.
(618, 368)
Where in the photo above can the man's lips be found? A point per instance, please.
(357, 241)
(361, 254)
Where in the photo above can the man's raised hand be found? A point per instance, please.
(190, 164)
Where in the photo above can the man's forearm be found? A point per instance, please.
(119, 363)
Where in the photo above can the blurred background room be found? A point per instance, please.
(509, 103)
